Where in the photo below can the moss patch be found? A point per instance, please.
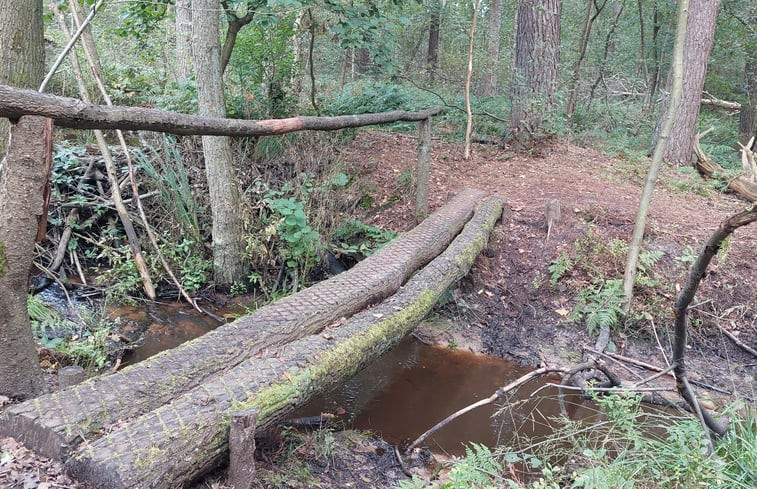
(2, 259)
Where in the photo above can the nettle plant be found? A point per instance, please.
(300, 244)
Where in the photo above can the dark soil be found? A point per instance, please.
(506, 305)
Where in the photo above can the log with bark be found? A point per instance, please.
(75, 114)
(56, 423)
(181, 440)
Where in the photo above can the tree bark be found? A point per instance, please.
(534, 80)
(700, 32)
(56, 423)
(748, 112)
(183, 47)
(229, 265)
(432, 57)
(180, 441)
(634, 247)
(235, 25)
(75, 114)
(491, 87)
(23, 177)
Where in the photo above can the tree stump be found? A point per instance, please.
(242, 449)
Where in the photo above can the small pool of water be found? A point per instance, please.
(414, 386)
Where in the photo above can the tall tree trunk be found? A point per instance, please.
(491, 86)
(183, 47)
(23, 176)
(225, 197)
(677, 76)
(700, 32)
(534, 80)
(748, 114)
(432, 58)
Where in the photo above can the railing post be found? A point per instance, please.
(422, 173)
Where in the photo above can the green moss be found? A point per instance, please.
(2, 259)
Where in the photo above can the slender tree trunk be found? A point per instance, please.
(491, 86)
(654, 79)
(432, 58)
(634, 248)
(589, 17)
(225, 197)
(469, 120)
(534, 79)
(183, 47)
(748, 113)
(23, 177)
(642, 42)
(700, 32)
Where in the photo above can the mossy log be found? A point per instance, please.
(55, 424)
(181, 440)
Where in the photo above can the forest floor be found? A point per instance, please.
(506, 305)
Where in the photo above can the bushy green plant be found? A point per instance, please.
(600, 305)
(300, 243)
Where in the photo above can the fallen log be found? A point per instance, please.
(181, 440)
(56, 423)
(75, 114)
(740, 185)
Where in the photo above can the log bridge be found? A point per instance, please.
(165, 421)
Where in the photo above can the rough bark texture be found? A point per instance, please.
(491, 86)
(22, 174)
(182, 47)
(54, 424)
(75, 114)
(21, 50)
(748, 112)
(534, 81)
(700, 32)
(186, 438)
(225, 198)
(22, 180)
(432, 55)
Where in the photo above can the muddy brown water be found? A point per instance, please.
(401, 394)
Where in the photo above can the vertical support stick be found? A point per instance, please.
(422, 174)
(242, 449)
(71, 375)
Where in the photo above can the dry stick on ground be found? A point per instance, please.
(93, 62)
(697, 272)
(483, 402)
(112, 174)
(655, 368)
(738, 342)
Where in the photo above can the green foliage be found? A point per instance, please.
(84, 344)
(478, 469)
(600, 305)
(300, 243)
(122, 277)
(194, 269)
(559, 267)
(356, 237)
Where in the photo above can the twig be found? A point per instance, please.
(610, 389)
(483, 402)
(617, 362)
(659, 344)
(403, 465)
(738, 342)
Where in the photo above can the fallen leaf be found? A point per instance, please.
(562, 311)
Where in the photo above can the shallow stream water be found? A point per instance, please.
(402, 393)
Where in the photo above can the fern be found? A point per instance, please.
(559, 267)
(600, 305)
(478, 469)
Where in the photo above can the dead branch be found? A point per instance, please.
(697, 272)
(738, 342)
(742, 185)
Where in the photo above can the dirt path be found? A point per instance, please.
(507, 299)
